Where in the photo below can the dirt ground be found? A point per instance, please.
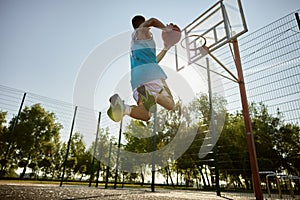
(46, 192)
(21, 191)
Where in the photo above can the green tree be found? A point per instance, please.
(3, 139)
(102, 153)
(141, 144)
(199, 116)
(277, 145)
(35, 127)
(45, 164)
(233, 153)
(265, 127)
(2, 120)
(140, 138)
(288, 146)
(77, 155)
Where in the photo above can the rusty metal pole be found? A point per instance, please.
(249, 135)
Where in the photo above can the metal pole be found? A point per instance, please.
(108, 164)
(291, 188)
(12, 131)
(154, 149)
(68, 148)
(247, 120)
(99, 165)
(278, 187)
(298, 20)
(118, 154)
(213, 130)
(268, 186)
(95, 150)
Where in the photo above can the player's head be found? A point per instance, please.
(137, 21)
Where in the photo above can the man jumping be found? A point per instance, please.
(147, 77)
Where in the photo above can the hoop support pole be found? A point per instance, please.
(225, 68)
(216, 72)
(247, 120)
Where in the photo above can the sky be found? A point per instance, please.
(44, 44)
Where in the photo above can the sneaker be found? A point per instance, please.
(116, 109)
(148, 99)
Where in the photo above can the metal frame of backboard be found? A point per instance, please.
(222, 24)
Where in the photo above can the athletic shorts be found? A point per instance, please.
(154, 87)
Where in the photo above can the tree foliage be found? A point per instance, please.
(36, 127)
(35, 144)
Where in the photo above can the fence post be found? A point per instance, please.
(99, 166)
(298, 20)
(68, 148)
(118, 154)
(154, 148)
(108, 164)
(95, 150)
(12, 131)
(213, 129)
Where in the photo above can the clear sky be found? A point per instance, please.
(43, 43)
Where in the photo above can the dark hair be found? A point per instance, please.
(137, 21)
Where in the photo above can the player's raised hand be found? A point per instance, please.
(171, 35)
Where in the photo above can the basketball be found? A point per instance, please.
(172, 35)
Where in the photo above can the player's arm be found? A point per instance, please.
(167, 45)
(153, 22)
(143, 32)
(169, 41)
(161, 54)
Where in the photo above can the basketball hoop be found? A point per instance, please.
(193, 42)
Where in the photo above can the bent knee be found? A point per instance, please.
(170, 106)
(165, 102)
(146, 117)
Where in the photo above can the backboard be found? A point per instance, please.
(221, 23)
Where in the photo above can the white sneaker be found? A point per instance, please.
(116, 109)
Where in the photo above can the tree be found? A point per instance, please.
(277, 145)
(77, 150)
(76, 157)
(232, 151)
(102, 153)
(140, 138)
(199, 116)
(35, 127)
(288, 145)
(2, 120)
(3, 139)
(44, 164)
(265, 127)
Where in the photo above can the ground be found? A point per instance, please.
(46, 192)
(29, 191)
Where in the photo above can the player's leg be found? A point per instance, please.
(164, 97)
(139, 112)
(146, 96)
(156, 91)
(165, 101)
(118, 109)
